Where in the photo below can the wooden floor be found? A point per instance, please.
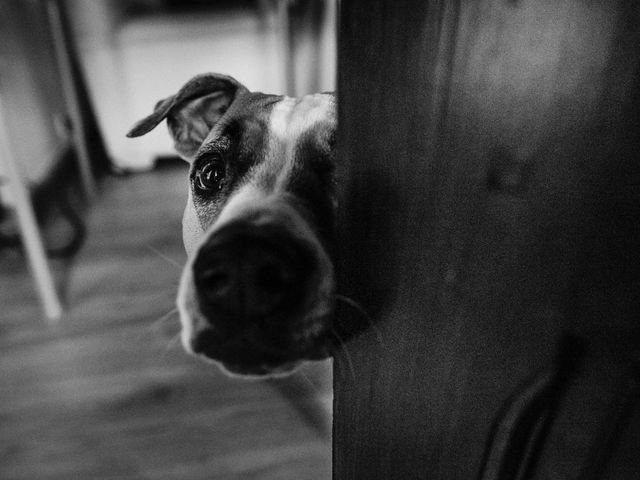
(108, 392)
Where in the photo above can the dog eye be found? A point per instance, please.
(208, 178)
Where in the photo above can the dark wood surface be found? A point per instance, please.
(489, 225)
(109, 393)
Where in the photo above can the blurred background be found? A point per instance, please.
(94, 383)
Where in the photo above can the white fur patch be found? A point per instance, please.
(290, 118)
(191, 230)
(279, 119)
(247, 197)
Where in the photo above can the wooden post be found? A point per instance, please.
(490, 176)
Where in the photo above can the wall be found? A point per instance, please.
(30, 87)
(131, 63)
(314, 44)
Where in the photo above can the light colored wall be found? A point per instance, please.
(30, 87)
(158, 58)
(132, 63)
(315, 55)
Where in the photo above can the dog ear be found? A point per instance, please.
(193, 111)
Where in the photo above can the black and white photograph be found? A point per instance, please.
(319, 240)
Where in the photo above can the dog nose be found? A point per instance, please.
(248, 273)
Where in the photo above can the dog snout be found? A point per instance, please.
(247, 273)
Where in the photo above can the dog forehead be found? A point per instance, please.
(281, 119)
(292, 117)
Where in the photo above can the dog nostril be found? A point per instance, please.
(218, 282)
(253, 286)
(269, 284)
(250, 276)
(274, 278)
(214, 277)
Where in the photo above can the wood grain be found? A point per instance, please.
(489, 173)
(109, 393)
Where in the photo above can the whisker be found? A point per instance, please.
(163, 318)
(145, 329)
(164, 257)
(360, 309)
(172, 342)
(347, 355)
(169, 346)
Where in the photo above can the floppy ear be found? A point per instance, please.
(193, 111)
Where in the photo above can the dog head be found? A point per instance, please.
(256, 294)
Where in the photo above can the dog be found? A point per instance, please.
(256, 295)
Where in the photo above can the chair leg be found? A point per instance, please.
(29, 231)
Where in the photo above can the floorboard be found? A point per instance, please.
(109, 394)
